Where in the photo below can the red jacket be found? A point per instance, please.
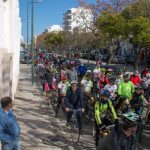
(135, 79)
(144, 72)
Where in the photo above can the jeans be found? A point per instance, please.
(11, 146)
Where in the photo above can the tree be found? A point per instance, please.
(54, 40)
(112, 27)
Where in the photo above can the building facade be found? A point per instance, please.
(10, 36)
(78, 19)
(54, 28)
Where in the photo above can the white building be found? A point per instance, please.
(10, 35)
(54, 28)
(78, 18)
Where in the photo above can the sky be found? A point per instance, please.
(47, 13)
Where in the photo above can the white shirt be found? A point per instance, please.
(87, 85)
(63, 87)
(111, 88)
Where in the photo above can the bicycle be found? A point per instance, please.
(53, 99)
(105, 130)
(60, 103)
(89, 112)
(75, 132)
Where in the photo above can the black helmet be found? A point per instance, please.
(126, 76)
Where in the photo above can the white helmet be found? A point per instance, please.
(74, 82)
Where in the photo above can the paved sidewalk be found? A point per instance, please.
(38, 122)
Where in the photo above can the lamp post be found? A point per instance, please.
(32, 39)
(32, 33)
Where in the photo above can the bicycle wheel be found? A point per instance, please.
(75, 132)
(63, 106)
(139, 133)
(54, 103)
(86, 117)
(93, 130)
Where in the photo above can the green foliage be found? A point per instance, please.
(112, 24)
(139, 29)
(140, 8)
(132, 23)
(54, 39)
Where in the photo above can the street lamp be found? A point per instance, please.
(29, 3)
(32, 34)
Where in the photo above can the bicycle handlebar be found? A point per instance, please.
(107, 127)
(74, 110)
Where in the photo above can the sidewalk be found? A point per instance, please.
(38, 122)
(34, 125)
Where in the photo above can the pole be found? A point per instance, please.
(32, 40)
(27, 30)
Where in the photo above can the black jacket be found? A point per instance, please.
(117, 141)
(74, 100)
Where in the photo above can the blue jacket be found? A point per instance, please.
(74, 101)
(9, 128)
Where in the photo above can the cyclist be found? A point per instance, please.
(96, 71)
(63, 86)
(144, 72)
(72, 72)
(111, 87)
(125, 91)
(109, 72)
(63, 71)
(135, 79)
(101, 107)
(87, 84)
(74, 100)
(102, 80)
(119, 75)
(138, 100)
(122, 136)
(146, 82)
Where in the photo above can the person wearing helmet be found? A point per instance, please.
(63, 71)
(96, 72)
(74, 100)
(72, 73)
(125, 91)
(111, 87)
(87, 84)
(144, 72)
(138, 100)
(122, 136)
(102, 80)
(100, 109)
(63, 86)
(135, 79)
(109, 71)
(146, 82)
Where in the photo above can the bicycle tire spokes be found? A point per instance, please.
(75, 132)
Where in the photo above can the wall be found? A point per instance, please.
(10, 34)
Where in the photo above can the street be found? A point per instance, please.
(40, 130)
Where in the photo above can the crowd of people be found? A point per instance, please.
(116, 98)
(109, 91)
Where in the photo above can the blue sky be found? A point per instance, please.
(47, 13)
